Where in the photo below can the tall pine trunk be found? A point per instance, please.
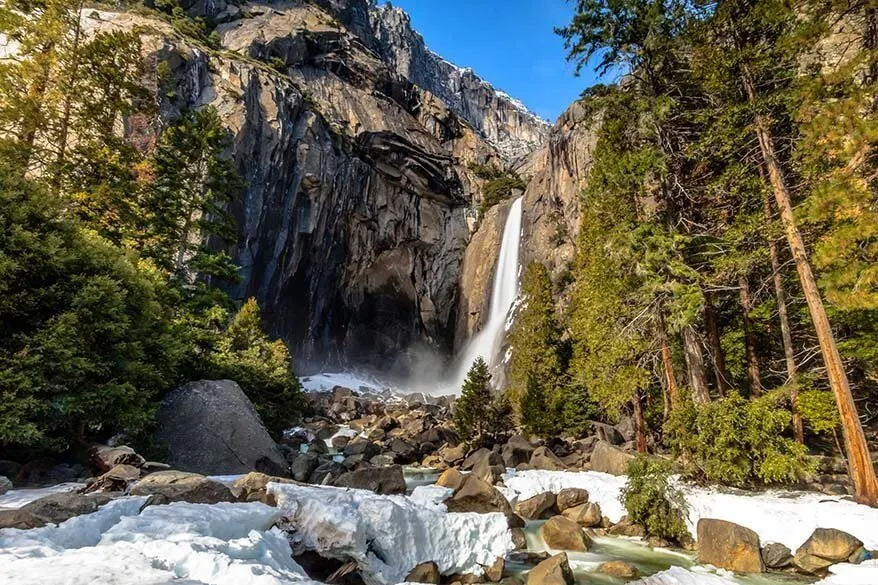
(695, 365)
(859, 463)
(716, 349)
(64, 129)
(753, 374)
(668, 365)
(785, 329)
(639, 423)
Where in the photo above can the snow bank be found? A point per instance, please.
(220, 544)
(846, 574)
(785, 517)
(681, 576)
(18, 498)
(390, 535)
(324, 382)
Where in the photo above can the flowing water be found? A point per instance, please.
(487, 342)
(648, 561)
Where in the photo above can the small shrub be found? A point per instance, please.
(652, 501)
(819, 410)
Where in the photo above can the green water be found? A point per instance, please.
(635, 551)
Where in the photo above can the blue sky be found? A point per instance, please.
(509, 43)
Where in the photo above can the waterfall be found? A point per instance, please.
(487, 342)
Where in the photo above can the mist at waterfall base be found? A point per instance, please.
(431, 373)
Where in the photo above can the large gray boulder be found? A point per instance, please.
(181, 486)
(211, 427)
(52, 509)
(729, 546)
(609, 459)
(5, 484)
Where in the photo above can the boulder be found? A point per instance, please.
(776, 556)
(552, 571)
(252, 487)
(404, 451)
(729, 546)
(516, 451)
(479, 456)
(103, 458)
(381, 480)
(608, 459)
(587, 515)
(494, 571)
(561, 533)
(619, 569)
(211, 427)
(475, 495)
(825, 547)
(5, 484)
(487, 472)
(624, 527)
(339, 442)
(452, 455)
(424, 573)
(52, 509)
(304, 465)
(536, 507)
(543, 458)
(571, 497)
(450, 478)
(327, 472)
(361, 446)
(607, 433)
(116, 479)
(181, 486)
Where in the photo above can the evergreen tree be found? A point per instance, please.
(536, 416)
(187, 205)
(262, 367)
(471, 409)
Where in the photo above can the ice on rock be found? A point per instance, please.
(18, 498)
(389, 535)
(785, 517)
(181, 543)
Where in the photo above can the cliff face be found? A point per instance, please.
(502, 120)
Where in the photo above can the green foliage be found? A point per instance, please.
(87, 347)
(194, 28)
(738, 442)
(262, 367)
(536, 416)
(652, 500)
(819, 410)
(499, 185)
(500, 419)
(470, 414)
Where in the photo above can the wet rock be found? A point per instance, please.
(104, 458)
(624, 527)
(519, 538)
(52, 509)
(450, 478)
(608, 459)
(381, 480)
(536, 507)
(181, 486)
(543, 458)
(619, 569)
(825, 547)
(211, 427)
(5, 484)
(776, 556)
(570, 497)
(424, 573)
(517, 450)
(729, 546)
(561, 533)
(587, 515)
(552, 571)
(475, 495)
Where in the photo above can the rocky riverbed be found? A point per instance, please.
(378, 489)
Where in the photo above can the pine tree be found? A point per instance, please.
(536, 416)
(471, 410)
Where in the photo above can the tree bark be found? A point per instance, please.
(64, 129)
(716, 349)
(695, 366)
(785, 329)
(668, 364)
(859, 462)
(753, 374)
(639, 423)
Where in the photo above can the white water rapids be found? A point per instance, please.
(487, 342)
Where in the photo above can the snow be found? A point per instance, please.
(390, 535)
(220, 544)
(431, 495)
(18, 498)
(325, 382)
(681, 576)
(847, 574)
(785, 517)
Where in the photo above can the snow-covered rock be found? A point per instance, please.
(786, 517)
(390, 535)
(221, 544)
